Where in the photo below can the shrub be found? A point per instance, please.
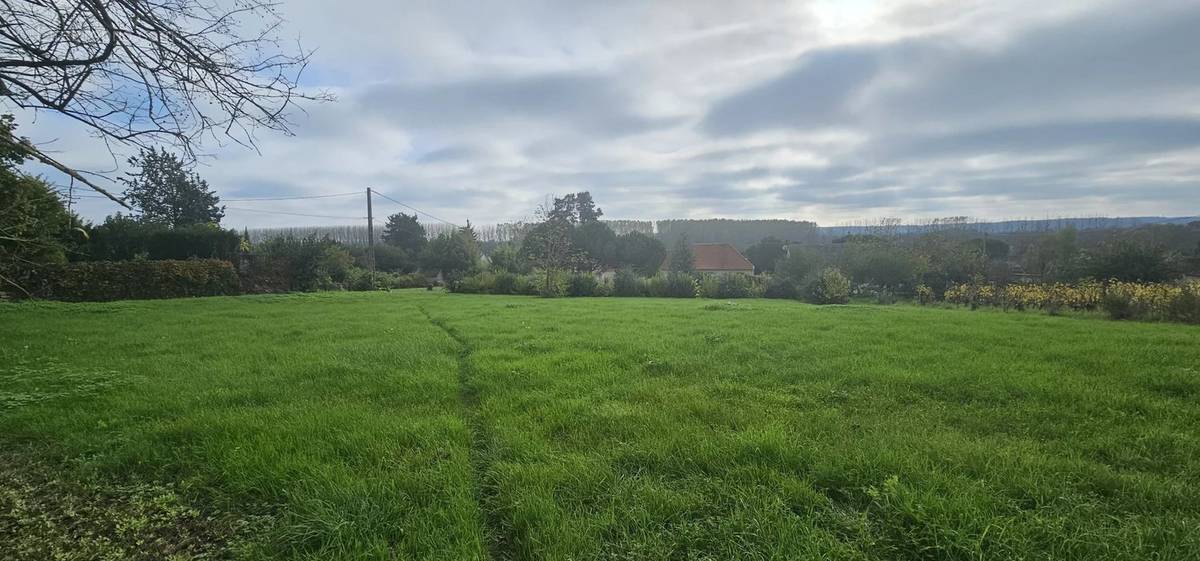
(478, 283)
(626, 283)
(505, 283)
(735, 285)
(121, 280)
(604, 288)
(675, 284)
(582, 284)
(830, 287)
(362, 279)
(708, 286)
(779, 286)
(1185, 307)
(302, 264)
(550, 284)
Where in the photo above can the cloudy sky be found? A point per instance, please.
(830, 111)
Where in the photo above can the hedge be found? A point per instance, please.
(100, 281)
(125, 239)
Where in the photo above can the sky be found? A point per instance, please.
(818, 110)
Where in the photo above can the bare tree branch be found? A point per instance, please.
(148, 72)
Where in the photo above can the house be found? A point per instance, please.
(718, 258)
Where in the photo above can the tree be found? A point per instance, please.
(575, 208)
(585, 209)
(405, 232)
(548, 247)
(682, 258)
(644, 254)
(1126, 260)
(166, 193)
(1055, 257)
(798, 265)
(453, 255)
(34, 224)
(145, 73)
(597, 241)
(765, 253)
(507, 257)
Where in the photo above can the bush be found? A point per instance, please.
(506, 283)
(708, 286)
(362, 279)
(300, 264)
(1185, 307)
(550, 284)
(676, 284)
(582, 284)
(736, 285)
(626, 283)
(779, 286)
(100, 281)
(830, 287)
(478, 283)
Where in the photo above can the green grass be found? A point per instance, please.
(415, 425)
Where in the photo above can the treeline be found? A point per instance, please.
(740, 233)
(173, 245)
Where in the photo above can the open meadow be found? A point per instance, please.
(425, 425)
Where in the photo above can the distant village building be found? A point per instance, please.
(718, 259)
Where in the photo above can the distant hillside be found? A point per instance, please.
(1006, 226)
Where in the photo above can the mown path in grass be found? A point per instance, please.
(668, 429)
(498, 544)
(415, 425)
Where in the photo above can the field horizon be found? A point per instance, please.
(426, 425)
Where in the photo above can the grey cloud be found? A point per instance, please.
(817, 93)
(1102, 137)
(448, 154)
(589, 104)
(1105, 61)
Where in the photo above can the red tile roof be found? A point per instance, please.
(718, 257)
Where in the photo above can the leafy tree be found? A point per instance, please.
(165, 192)
(308, 263)
(798, 265)
(548, 247)
(945, 259)
(575, 208)
(453, 255)
(682, 258)
(405, 232)
(644, 254)
(1126, 260)
(34, 225)
(995, 249)
(507, 257)
(597, 241)
(765, 253)
(882, 263)
(1056, 257)
(585, 209)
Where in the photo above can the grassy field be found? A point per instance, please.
(415, 425)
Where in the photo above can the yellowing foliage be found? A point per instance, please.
(1171, 301)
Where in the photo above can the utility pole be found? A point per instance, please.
(370, 236)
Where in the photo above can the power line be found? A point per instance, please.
(414, 209)
(290, 198)
(295, 213)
